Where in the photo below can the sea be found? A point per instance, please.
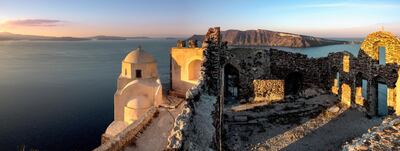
(58, 95)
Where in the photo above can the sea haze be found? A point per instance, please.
(58, 95)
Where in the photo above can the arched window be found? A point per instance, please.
(382, 55)
(231, 83)
(194, 70)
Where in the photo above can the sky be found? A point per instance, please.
(175, 18)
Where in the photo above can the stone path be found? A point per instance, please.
(334, 133)
(312, 126)
(155, 135)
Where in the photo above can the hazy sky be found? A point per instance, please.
(339, 18)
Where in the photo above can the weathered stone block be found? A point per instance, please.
(268, 90)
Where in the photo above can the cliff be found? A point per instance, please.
(270, 38)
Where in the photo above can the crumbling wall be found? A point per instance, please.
(313, 70)
(196, 127)
(366, 66)
(252, 64)
(193, 128)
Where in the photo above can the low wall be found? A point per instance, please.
(182, 123)
(126, 136)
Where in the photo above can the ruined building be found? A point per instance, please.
(252, 74)
(248, 75)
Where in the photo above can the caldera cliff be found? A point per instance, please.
(270, 38)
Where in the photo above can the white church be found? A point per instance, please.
(138, 89)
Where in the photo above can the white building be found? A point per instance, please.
(138, 89)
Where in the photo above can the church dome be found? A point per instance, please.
(139, 56)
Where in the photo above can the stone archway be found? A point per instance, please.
(293, 83)
(381, 39)
(194, 70)
(231, 83)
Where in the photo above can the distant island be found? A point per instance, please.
(6, 36)
(271, 38)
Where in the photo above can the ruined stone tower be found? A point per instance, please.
(211, 65)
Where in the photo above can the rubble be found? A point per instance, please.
(383, 137)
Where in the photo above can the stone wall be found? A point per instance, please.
(252, 64)
(271, 64)
(268, 90)
(196, 127)
(366, 66)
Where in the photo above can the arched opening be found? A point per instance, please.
(334, 80)
(379, 96)
(382, 55)
(293, 83)
(231, 83)
(194, 70)
(361, 89)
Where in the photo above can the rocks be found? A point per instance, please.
(308, 93)
(383, 137)
(240, 118)
(181, 125)
(333, 109)
(180, 44)
(192, 43)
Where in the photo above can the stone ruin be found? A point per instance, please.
(249, 75)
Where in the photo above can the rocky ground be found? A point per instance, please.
(311, 122)
(384, 137)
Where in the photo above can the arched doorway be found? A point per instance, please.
(293, 83)
(194, 68)
(361, 89)
(231, 83)
(379, 96)
(334, 80)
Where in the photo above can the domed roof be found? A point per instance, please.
(139, 56)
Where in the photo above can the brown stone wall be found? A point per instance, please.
(251, 63)
(268, 90)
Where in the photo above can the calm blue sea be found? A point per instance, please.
(59, 95)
